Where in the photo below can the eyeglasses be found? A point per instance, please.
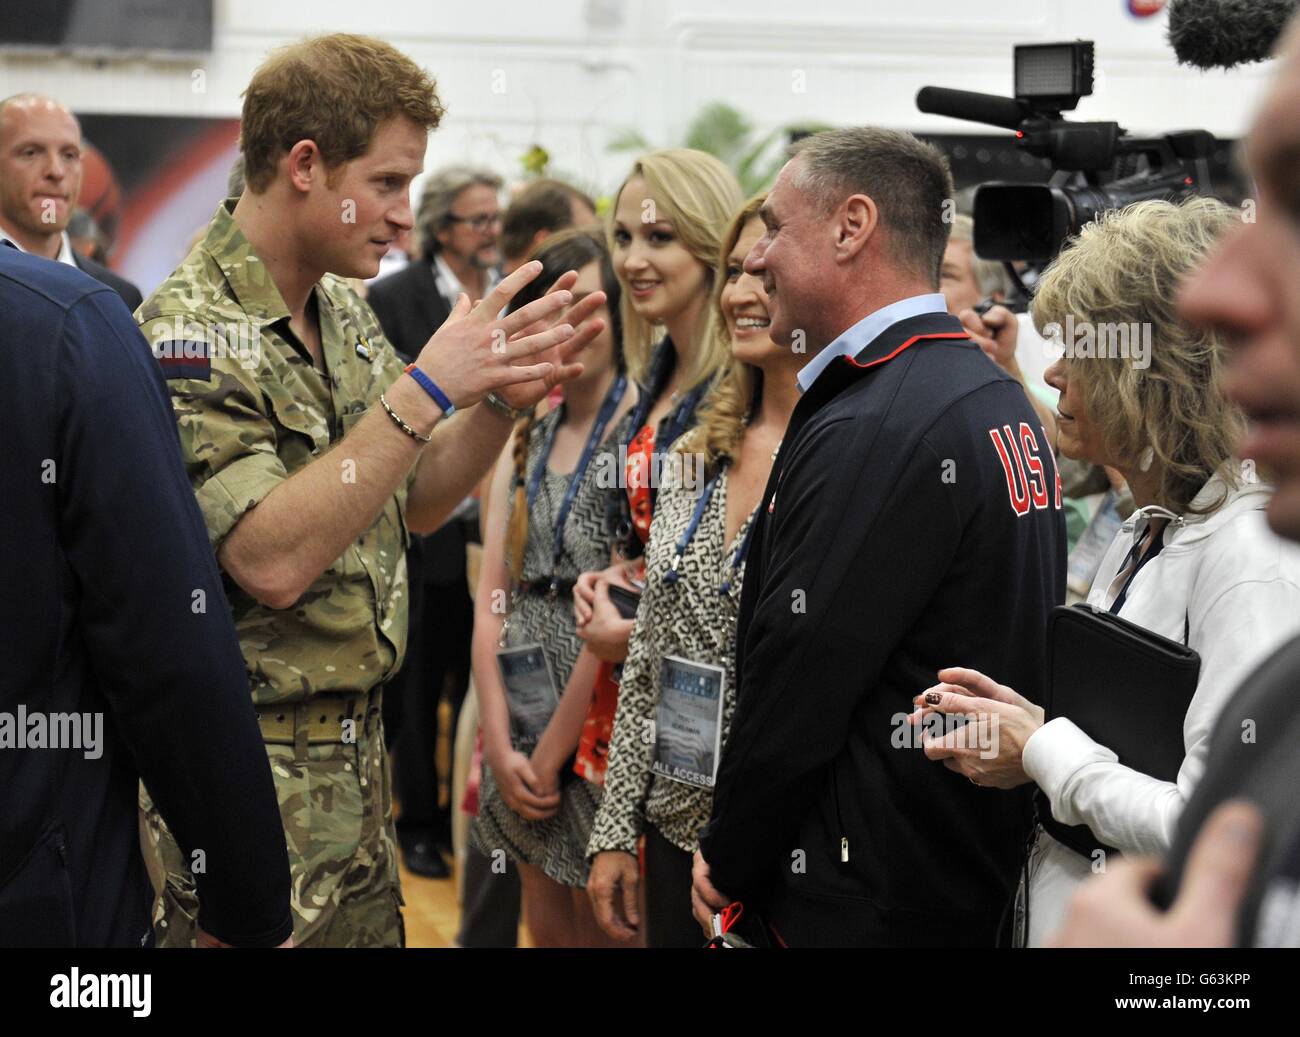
(478, 223)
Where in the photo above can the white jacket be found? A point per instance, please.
(1236, 585)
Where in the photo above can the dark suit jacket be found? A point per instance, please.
(1265, 770)
(111, 606)
(409, 307)
(130, 293)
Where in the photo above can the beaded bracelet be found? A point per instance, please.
(401, 424)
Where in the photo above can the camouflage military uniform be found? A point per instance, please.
(252, 410)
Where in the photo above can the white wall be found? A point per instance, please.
(569, 73)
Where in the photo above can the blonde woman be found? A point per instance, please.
(695, 565)
(665, 235)
(1195, 562)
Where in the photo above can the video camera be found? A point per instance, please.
(1096, 166)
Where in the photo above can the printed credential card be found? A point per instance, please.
(688, 724)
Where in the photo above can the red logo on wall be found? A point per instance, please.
(1145, 8)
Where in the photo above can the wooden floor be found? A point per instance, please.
(432, 914)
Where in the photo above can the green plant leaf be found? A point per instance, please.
(628, 140)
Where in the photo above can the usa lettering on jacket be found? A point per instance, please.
(1018, 451)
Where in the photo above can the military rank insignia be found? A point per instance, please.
(188, 359)
(364, 349)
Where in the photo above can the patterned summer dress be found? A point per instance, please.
(557, 845)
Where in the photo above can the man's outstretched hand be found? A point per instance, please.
(586, 326)
(520, 357)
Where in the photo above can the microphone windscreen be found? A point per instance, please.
(1226, 33)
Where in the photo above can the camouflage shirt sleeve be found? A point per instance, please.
(228, 443)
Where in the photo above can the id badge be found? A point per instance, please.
(530, 692)
(1093, 543)
(688, 722)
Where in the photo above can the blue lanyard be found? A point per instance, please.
(661, 367)
(677, 423)
(742, 549)
(684, 541)
(607, 408)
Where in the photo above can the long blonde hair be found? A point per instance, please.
(722, 417)
(1124, 269)
(697, 193)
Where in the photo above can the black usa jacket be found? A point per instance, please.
(912, 521)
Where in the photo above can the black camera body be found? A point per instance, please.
(1030, 222)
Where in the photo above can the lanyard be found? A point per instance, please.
(684, 541)
(607, 408)
(738, 558)
(1157, 545)
(677, 422)
(661, 367)
(659, 370)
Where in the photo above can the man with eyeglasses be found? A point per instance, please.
(458, 229)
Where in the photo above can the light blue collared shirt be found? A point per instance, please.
(858, 337)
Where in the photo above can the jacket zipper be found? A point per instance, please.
(835, 789)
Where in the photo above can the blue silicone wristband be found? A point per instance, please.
(427, 384)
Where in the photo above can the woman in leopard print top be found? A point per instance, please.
(692, 615)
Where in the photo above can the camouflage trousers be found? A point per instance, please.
(336, 804)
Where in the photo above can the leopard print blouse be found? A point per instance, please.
(688, 618)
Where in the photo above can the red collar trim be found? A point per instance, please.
(910, 342)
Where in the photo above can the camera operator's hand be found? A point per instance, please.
(474, 353)
(996, 333)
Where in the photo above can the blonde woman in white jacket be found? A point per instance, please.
(1195, 562)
